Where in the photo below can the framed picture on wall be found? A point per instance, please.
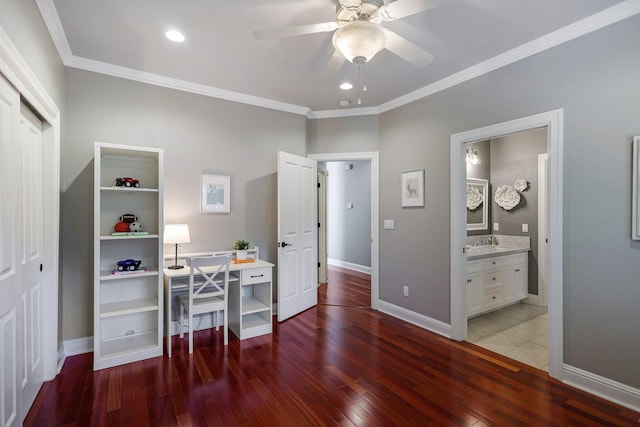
(215, 196)
(412, 188)
(635, 205)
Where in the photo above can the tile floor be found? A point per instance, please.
(519, 332)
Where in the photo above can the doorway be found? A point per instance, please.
(371, 157)
(514, 323)
(553, 122)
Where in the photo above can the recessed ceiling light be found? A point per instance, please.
(175, 36)
(344, 103)
(346, 86)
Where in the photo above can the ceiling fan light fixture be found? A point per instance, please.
(359, 40)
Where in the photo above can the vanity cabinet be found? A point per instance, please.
(127, 300)
(495, 282)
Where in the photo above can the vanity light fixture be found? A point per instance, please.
(175, 36)
(472, 157)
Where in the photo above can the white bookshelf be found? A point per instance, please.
(128, 306)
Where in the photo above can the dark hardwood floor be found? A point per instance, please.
(339, 363)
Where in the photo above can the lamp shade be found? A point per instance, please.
(176, 233)
(360, 39)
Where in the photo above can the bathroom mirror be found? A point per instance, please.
(477, 209)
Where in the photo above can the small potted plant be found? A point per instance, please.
(241, 247)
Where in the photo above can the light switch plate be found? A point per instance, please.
(496, 226)
(389, 224)
(525, 228)
(349, 205)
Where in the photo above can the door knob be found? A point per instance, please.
(284, 244)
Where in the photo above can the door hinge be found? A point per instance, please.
(318, 225)
(318, 185)
(318, 265)
(40, 267)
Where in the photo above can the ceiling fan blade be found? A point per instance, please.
(401, 8)
(407, 50)
(333, 65)
(297, 30)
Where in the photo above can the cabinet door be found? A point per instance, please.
(474, 293)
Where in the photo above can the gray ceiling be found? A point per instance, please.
(221, 53)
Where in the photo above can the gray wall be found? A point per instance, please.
(595, 80)
(349, 230)
(513, 157)
(198, 135)
(343, 135)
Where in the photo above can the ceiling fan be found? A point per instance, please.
(358, 35)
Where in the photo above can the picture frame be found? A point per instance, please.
(215, 194)
(635, 203)
(412, 188)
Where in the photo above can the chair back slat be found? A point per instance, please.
(211, 281)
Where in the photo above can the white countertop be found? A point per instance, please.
(480, 252)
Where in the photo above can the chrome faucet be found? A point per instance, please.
(487, 241)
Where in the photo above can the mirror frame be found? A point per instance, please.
(484, 187)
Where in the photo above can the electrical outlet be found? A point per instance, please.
(405, 291)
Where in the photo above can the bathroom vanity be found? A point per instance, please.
(496, 277)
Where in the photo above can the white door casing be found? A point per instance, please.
(553, 121)
(297, 235)
(372, 157)
(17, 72)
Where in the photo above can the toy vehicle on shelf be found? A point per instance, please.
(129, 265)
(127, 182)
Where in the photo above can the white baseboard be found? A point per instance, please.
(77, 346)
(61, 358)
(417, 319)
(349, 265)
(603, 387)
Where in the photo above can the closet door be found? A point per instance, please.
(30, 196)
(11, 315)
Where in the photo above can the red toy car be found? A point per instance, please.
(127, 182)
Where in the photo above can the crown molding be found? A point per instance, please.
(182, 85)
(580, 28)
(607, 17)
(54, 25)
(352, 112)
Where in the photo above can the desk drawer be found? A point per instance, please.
(255, 275)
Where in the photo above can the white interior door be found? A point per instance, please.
(31, 254)
(11, 337)
(297, 235)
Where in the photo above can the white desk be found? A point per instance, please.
(249, 294)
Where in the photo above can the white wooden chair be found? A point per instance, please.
(208, 290)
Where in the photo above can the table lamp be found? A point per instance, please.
(176, 234)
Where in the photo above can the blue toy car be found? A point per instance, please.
(129, 264)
